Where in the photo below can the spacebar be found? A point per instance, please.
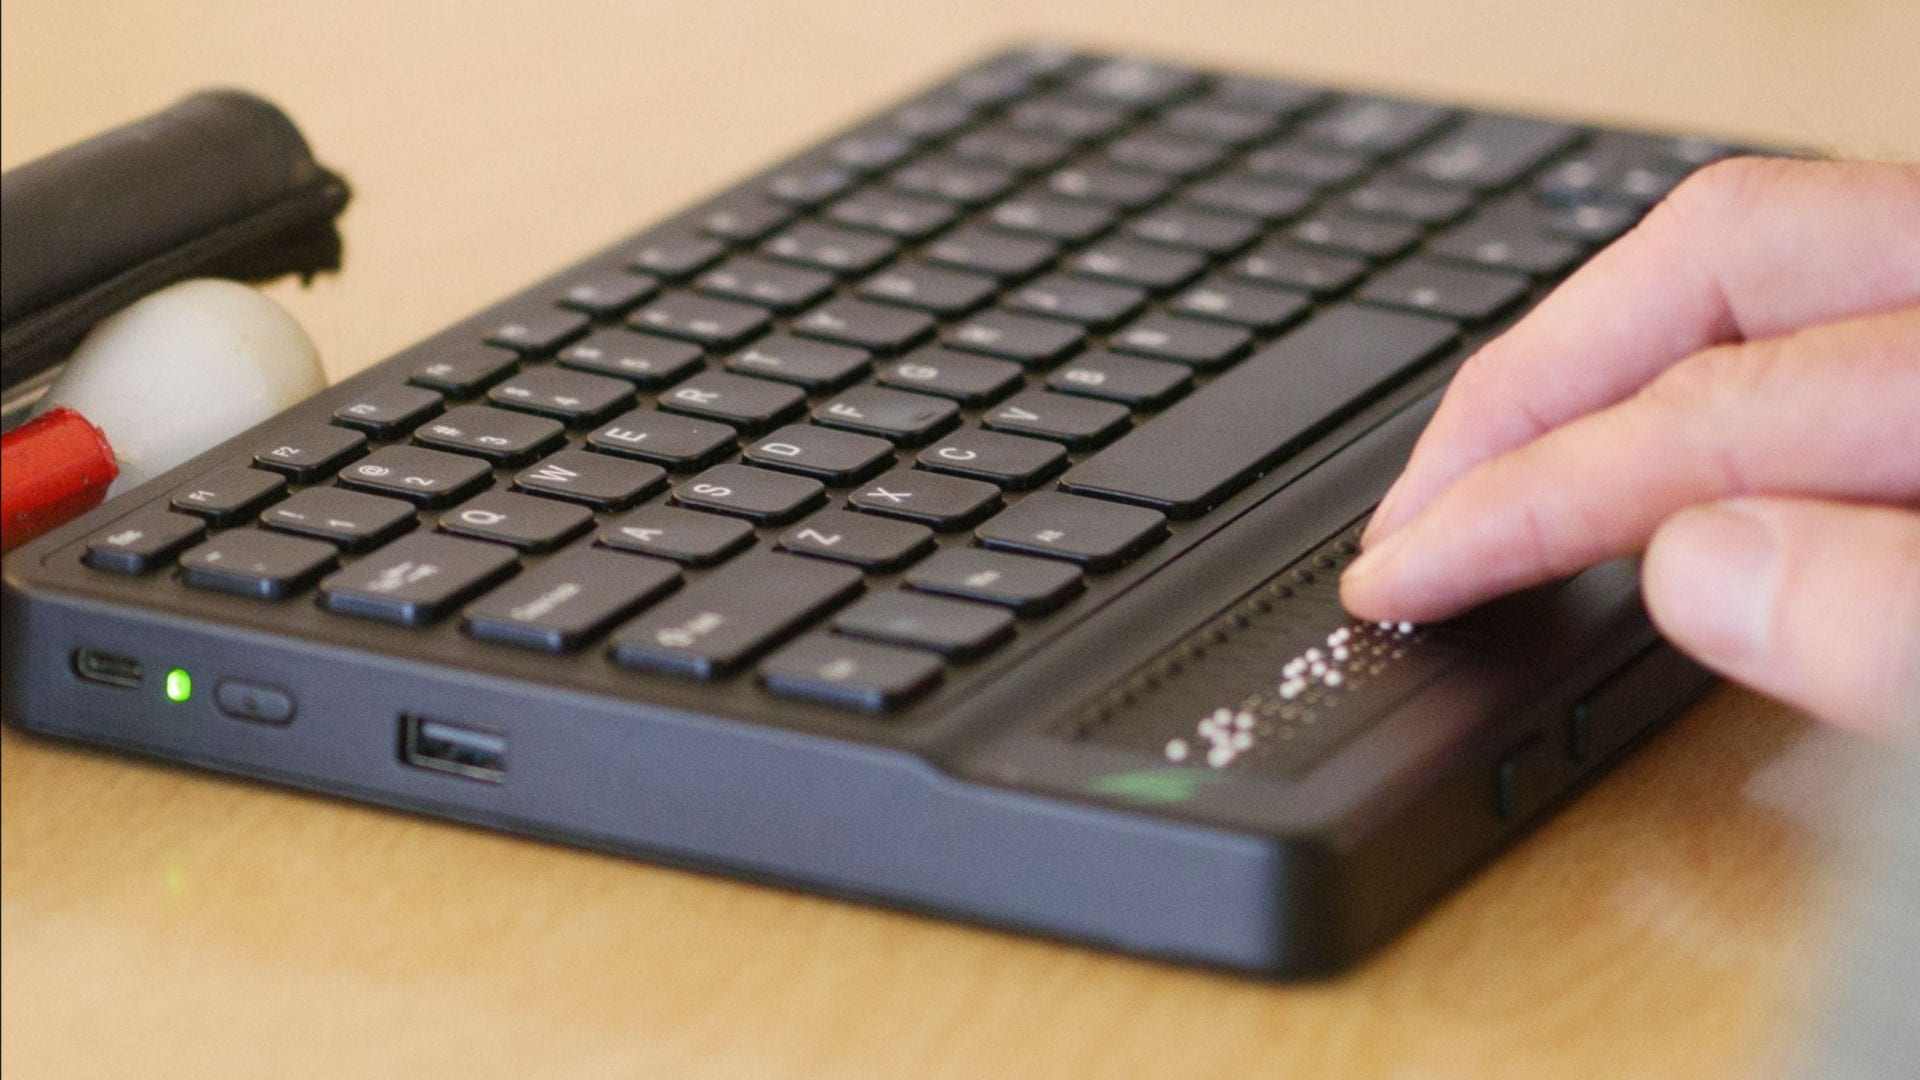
(1200, 450)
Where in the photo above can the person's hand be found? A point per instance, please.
(1733, 388)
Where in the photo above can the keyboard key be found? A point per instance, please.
(425, 477)
(142, 542)
(1268, 201)
(1295, 163)
(572, 397)
(1374, 125)
(1260, 309)
(857, 323)
(641, 359)
(1184, 341)
(229, 495)
(1164, 154)
(1028, 586)
(854, 674)
(901, 216)
(997, 254)
(1108, 185)
(1498, 244)
(353, 520)
(720, 622)
(1053, 219)
(522, 521)
(1592, 223)
(1007, 460)
(1456, 292)
(968, 379)
(1135, 82)
(1030, 341)
(678, 442)
(684, 536)
(871, 151)
(674, 256)
(1219, 123)
(1096, 534)
(716, 324)
(871, 543)
(1348, 235)
(934, 116)
(608, 294)
(949, 627)
(1128, 380)
(1089, 303)
(840, 251)
(1202, 448)
(416, 578)
(1012, 149)
(941, 502)
(1269, 97)
(1293, 268)
(1489, 151)
(962, 182)
(597, 480)
(765, 282)
(1075, 421)
(1063, 117)
(1416, 203)
(831, 457)
(748, 404)
(502, 437)
(929, 288)
(386, 411)
(263, 565)
(890, 414)
(310, 450)
(569, 599)
(537, 331)
(815, 365)
(1197, 230)
(461, 370)
(809, 185)
(758, 495)
(1145, 266)
(743, 218)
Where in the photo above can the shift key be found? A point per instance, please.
(728, 618)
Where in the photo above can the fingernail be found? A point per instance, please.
(1715, 572)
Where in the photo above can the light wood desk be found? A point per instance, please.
(163, 923)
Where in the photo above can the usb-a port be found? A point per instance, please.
(472, 752)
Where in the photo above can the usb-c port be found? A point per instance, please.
(475, 753)
(94, 666)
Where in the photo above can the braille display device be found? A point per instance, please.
(948, 517)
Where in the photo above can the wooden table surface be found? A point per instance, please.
(159, 922)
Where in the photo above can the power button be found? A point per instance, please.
(252, 701)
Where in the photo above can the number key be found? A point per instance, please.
(427, 477)
(386, 411)
(502, 437)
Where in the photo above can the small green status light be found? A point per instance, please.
(179, 685)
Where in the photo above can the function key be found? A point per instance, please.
(641, 359)
(993, 253)
(1375, 125)
(841, 251)
(677, 442)
(832, 457)
(349, 518)
(949, 627)
(598, 480)
(755, 494)
(536, 331)
(1128, 380)
(762, 281)
(1165, 154)
(1075, 421)
(1312, 272)
(569, 599)
(845, 672)
(464, 369)
(1418, 203)
(890, 414)
(684, 536)
(1054, 219)
(1028, 586)
(877, 327)
(929, 288)
(263, 565)
(748, 404)
(427, 477)
(743, 217)
(1349, 235)
(1147, 266)
(675, 257)
(141, 542)
(1099, 535)
(970, 380)
(1199, 230)
(1293, 162)
(725, 619)
(1030, 341)
(310, 450)
(521, 521)
(717, 324)
(871, 543)
(901, 216)
(966, 183)
(608, 294)
(1184, 341)
(815, 365)
(1139, 83)
(942, 502)
(571, 397)
(502, 437)
(1490, 151)
(386, 411)
(1256, 308)
(1457, 292)
(1007, 460)
(809, 185)
(229, 495)
(416, 578)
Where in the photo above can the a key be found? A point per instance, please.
(1006, 257)
(537, 331)
(310, 450)
(716, 324)
(1418, 203)
(809, 185)
(460, 370)
(502, 437)
(944, 503)
(880, 328)
(966, 183)
(601, 481)
(849, 673)
(840, 251)
(386, 411)
(1457, 292)
(871, 543)
(1075, 421)
(229, 495)
(416, 578)
(1489, 151)
(1205, 446)
(1129, 380)
(426, 477)
(1374, 125)
(1012, 149)
(1022, 338)
(779, 286)
(930, 288)
(263, 565)
(1184, 341)
(1007, 460)
(521, 521)
(1166, 155)
(758, 495)
(1219, 123)
(742, 218)
(642, 359)
(1346, 234)
(1293, 162)
(1267, 200)
(675, 255)
(569, 599)
(720, 622)
(142, 541)
(1144, 266)
(831, 457)
(1028, 586)
(685, 536)
(572, 397)
(354, 520)
(903, 217)
(1108, 185)
(608, 293)
(890, 414)
(1314, 272)
(1089, 303)
(949, 627)
(1053, 219)
(1094, 533)
(1196, 230)
(1256, 308)
(815, 365)
(1062, 117)
(968, 379)
(748, 404)
(678, 442)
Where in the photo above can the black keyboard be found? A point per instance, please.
(907, 479)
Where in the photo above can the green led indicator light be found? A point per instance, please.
(179, 685)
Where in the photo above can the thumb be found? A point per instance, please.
(1816, 603)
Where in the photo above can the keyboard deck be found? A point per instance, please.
(850, 430)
